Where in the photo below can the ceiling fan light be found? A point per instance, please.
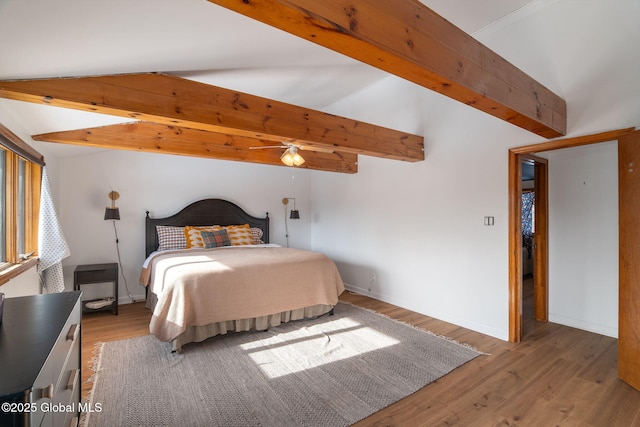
(297, 159)
(291, 157)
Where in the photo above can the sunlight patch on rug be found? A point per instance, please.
(274, 355)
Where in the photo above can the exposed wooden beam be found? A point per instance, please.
(407, 39)
(166, 139)
(577, 141)
(175, 101)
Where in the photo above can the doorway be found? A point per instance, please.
(522, 244)
(534, 212)
(528, 206)
(516, 156)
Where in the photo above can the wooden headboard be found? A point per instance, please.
(204, 212)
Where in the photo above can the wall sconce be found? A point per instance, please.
(291, 157)
(112, 212)
(295, 213)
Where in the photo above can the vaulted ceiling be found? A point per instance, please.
(175, 114)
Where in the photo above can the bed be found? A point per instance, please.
(199, 292)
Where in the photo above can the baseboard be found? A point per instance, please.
(465, 323)
(364, 291)
(127, 300)
(596, 328)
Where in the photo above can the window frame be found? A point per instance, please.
(15, 151)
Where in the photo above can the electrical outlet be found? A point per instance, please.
(372, 280)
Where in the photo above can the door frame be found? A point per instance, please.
(629, 250)
(540, 248)
(516, 155)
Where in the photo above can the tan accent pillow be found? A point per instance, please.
(240, 235)
(194, 238)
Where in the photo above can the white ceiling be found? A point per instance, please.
(191, 38)
(42, 38)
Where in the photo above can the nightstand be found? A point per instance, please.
(97, 273)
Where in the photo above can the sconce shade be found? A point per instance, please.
(112, 213)
(295, 214)
(291, 157)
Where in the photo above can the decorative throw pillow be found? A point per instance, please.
(257, 235)
(193, 235)
(214, 239)
(170, 238)
(239, 234)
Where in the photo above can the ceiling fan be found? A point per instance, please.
(291, 157)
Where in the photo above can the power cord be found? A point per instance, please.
(115, 230)
(286, 225)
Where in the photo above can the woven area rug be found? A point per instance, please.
(329, 371)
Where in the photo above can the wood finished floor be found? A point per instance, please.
(556, 376)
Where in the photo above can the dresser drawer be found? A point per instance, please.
(67, 393)
(67, 342)
(69, 376)
(41, 394)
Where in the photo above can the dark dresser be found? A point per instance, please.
(40, 360)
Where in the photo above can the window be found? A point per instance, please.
(20, 208)
(528, 220)
(19, 186)
(20, 177)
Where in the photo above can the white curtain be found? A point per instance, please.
(52, 246)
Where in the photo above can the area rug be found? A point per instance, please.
(330, 371)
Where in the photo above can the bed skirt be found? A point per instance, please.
(201, 333)
(262, 323)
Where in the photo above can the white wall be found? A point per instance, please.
(583, 237)
(26, 283)
(592, 70)
(164, 184)
(412, 234)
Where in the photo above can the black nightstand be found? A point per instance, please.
(97, 273)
